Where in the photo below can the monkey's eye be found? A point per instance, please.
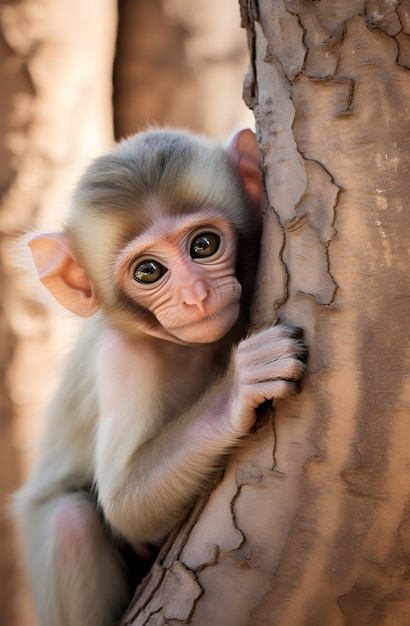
(149, 272)
(205, 245)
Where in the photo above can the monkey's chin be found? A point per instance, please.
(210, 328)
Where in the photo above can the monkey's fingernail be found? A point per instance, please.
(303, 355)
(295, 332)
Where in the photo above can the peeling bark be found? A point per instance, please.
(310, 524)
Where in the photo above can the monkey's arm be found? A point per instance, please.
(149, 476)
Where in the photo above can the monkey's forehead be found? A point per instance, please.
(156, 172)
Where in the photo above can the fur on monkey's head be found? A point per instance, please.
(161, 171)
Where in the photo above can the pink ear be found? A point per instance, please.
(244, 154)
(61, 274)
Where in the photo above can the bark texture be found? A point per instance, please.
(55, 112)
(310, 524)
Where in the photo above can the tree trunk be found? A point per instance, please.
(180, 63)
(310, 524)
(55, 112)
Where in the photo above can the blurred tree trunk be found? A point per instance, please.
(180, 62)
(310, 524)
(55, 112)
(177, 62)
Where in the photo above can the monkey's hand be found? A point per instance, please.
(267, 366)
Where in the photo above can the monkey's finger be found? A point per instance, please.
(287, 368)
(271, 390)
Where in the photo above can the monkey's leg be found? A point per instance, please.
(77, 573)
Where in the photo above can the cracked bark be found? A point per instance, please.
(309, 525)
(310, 522)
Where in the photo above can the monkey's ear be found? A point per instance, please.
(244, 154)
(65, 279)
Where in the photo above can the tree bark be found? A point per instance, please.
(310, 524)
(55, 112)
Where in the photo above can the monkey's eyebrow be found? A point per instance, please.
(168, 230)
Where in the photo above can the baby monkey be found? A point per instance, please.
(159, 250)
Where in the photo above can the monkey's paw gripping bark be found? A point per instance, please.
(268, 366)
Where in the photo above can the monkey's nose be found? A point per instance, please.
(196, 295)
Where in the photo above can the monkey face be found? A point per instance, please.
(182, 270)
(153, 236)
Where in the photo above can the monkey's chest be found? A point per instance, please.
(186, 380)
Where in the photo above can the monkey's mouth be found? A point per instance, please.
(228, 309)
